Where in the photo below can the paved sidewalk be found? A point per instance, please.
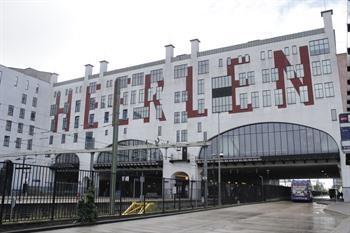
(344, 209)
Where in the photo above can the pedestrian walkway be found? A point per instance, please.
(281, 217)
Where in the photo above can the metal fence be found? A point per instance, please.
(32, 193)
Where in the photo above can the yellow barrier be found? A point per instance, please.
(139, 208)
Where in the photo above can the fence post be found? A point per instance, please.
(120, 196)
(163, 195)
(191, 193)
(4, 192)
(54, 194)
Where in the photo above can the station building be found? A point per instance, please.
(267, 102)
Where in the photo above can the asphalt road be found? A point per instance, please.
(268, 217)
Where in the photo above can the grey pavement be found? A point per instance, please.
(281, 217)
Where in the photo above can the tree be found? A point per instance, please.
(87, 211)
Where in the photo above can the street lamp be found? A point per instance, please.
(221, 155)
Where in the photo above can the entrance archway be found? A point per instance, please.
(181, 184)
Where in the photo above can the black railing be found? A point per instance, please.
(31, 193)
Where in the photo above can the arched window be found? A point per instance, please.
(271, 139)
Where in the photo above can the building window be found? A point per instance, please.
(123, 81)
(65, 108)
(18, 142)
(77, 105)
(201, 106)
(184, 135)
(75, 137)
(180, 71)
(24, 99)
(318, 90)
(242, 79)
(222, 81)
(158, 91)
(183, 117)
(109, 100)
(199, 127)
(266, 98)
(178, 135)
(50, 139)
(326, 66)
(278, 97)
(200, 86)
(91, 119)
(63, 139)
(316, 68)
(329, 89)
(141, 96)
(290, 72)
(125, 114)
(106, 117)
(125, 130)
(240, 59)
(246, 58)
(53, 109)
(294, 49)
(274, 74)
(36, 89)
(184, 96)
(255, 99)
(92, 103)
(159, 111)
(125, 98)
(22, 113)
(251, 77)
(76, 122)
(265, 75)
(53, 125)
(64, 123)
(16, 82)
(291, 96)
(6, 141)
(159, 130)
(299, 69)
(92, 88)
(203, 67)
(304, 97)
(286, 51)
(228, 61)
(8, 125)
(29, 144)
(31, 130)
(222, 104)
(103, 101)
(35, 102)
(133, 97)
(106, 132)
(269, 54)
(220, 62)
(140, 112)
(32, 116)
(156, 75)
(150, 94)
(318, 47)
(20, 128)
(334, 114)
(137, 79)
(176, 117)
(66, 91)
(10, 110)
(177, 95)
(243, 100)
(262, 55)
(108, 83)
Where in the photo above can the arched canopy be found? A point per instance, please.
(180, 176)
(136, 155)
(67, 160)
(271, 139)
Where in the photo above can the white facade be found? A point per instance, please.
(317, 99)
(24, 117)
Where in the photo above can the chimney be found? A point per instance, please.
(88, 71)
(53, 78)
(194, 48)
(103, 67)
(327, 21)
(169, 53)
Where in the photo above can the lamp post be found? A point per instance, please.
(219, 177)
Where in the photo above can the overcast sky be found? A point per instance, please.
(63, 35)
